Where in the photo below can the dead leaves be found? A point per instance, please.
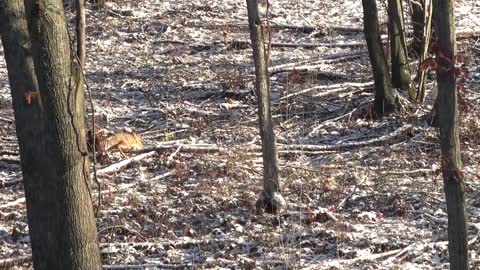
(106, 142)
(30, 96)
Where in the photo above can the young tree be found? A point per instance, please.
(447, 102)
(398, 46)
(51, 135)
(417, 9)
(425, 36)
(270, 199)
(80, 31)
(385, 96)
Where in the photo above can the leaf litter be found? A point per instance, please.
(362, 193)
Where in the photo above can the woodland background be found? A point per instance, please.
(363, 193)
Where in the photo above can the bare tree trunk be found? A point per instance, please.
(454, 184)
(60, 213)
(81, 29)
(270, 199)
(385, 97)
(399, 54)
(418, 23)
(427, 34)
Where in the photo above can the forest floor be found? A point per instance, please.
(362, 193)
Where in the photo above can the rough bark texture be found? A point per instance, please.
(81, 26)
(399, 54)
(385, 98)
(454, 185)
(270, 200)
(60, 213)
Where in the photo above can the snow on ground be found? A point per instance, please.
(369, 197)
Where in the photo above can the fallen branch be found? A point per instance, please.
(323, 30)
(117, 166)
(9, 153)
(10, 161)
(381, 139)
(283, 148)
(468, 34)
(349, 114)
(246, 44)
(10, 183)
(330, 89)
(195, 148)
(146, 266)
(8, 120)
(14, 203)
(329, 59)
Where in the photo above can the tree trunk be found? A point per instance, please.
(81, 26)
(385, 97)
(418, 24)
(60, 213)
(270, 199)
(399, 54)
(454, 184)
(427, 34)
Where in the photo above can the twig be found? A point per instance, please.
(9, 153)
(161, 176)
(344, 201)
(329, 89)
(299, 28)
(172, 155)
(209, 148)
(8, 120)
(11, 262)
(309, 147)
(349, 114)
(14, 203)
(10, 161)
(329, 59)
(117, 166)
(10, 183)
(204, 148)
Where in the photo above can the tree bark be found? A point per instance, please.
(385, 97)
(418, 24)
(398, 46)
(81, 29)
(60, 213)
(270, 199)
(454, 185)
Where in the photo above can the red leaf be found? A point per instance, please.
(428, 64)
(440, 55)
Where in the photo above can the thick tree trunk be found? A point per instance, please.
(399, 54)
(385, 97)
(454, 184)
(270, 199)
(60, 213)
(81, 29)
